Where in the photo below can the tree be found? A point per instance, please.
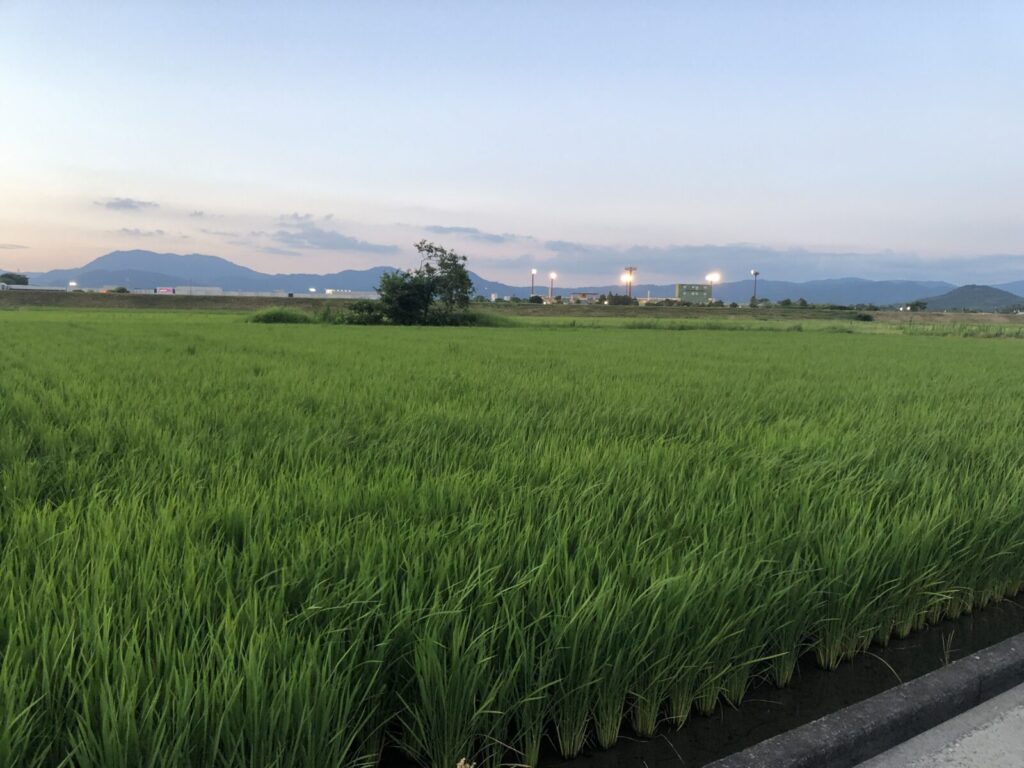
(12, 278)
(408, 297)
(535, 299)
(451, 284)
(918, 306)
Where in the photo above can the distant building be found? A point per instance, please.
(584, 298)
(695, 293)
(198, 290)
(329, 293)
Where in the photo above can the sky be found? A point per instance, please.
(807, 140)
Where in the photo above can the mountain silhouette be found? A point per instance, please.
(139, 269)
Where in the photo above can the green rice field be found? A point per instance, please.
(233, 544)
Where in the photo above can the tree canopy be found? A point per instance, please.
(13, 278)
(435, 293)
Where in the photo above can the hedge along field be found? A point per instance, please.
(231, 544)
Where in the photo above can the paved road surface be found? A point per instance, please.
(989, 736)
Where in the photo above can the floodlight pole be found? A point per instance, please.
(533, 278)
(712, 278)
(755, 273)
(630, 271)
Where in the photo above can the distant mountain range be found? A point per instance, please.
(146, 269)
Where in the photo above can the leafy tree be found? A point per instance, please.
(918, 306)
(409, 297)
(119, 289)
(451, 283)
(801, 302)
(12, 278)
(535, 299)
(405, 296)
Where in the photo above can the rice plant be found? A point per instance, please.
(239, 544)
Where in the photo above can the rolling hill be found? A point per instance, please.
(976, 298)
(146, 269)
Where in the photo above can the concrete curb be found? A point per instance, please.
(870, 727)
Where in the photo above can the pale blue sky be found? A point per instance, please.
(886, 129)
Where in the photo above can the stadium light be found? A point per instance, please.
(712, 278)
(533, 278)
(551, 286)
(754, 273)
(627, 278)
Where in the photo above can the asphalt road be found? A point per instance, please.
(989, 736)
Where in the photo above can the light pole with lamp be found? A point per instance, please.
(627, 278)
(754, 273)
(533, 278)
(712, 278)
(551, 286)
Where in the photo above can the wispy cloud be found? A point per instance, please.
(219, 233)
(126, 204)
(273, 250)
(197, 214)
(474, 234)
(11, 247)
(523, 261)
(302, 231)
(298, 218)
(134, 232)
